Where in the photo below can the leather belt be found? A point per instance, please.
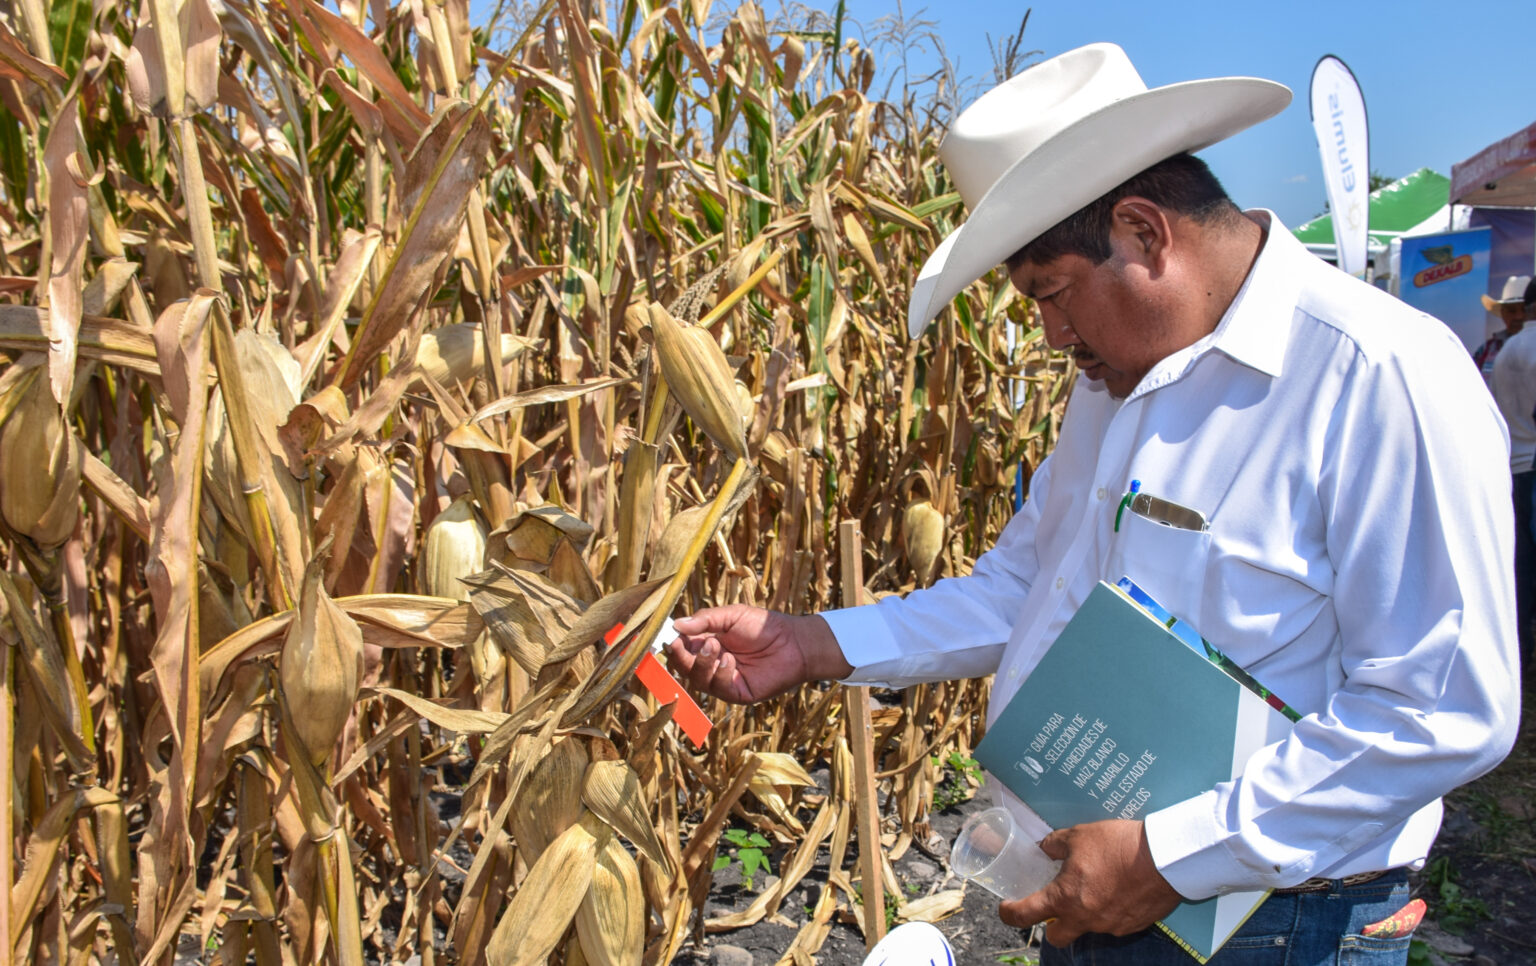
(1329, 885)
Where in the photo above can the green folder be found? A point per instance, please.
(1122, 717)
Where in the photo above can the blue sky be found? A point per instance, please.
(1438, 86)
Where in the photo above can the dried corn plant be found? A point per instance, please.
(357, 379)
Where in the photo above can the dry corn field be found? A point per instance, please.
(360, 369)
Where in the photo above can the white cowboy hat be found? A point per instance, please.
(1055, 137)
(1514, 293)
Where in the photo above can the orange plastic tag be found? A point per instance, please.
(654, 675)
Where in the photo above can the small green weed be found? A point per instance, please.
(750, 851)
(1498, 825)
(1418, 953)
(1457, 911)
(963, 774)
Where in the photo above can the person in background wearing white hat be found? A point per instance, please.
(1513, 384)
(1510, 309)
(1357, 539)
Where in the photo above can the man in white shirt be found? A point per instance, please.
(1351, 469)
(1513, 384)
(1510, 309)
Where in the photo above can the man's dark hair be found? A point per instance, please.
(1529, 298)
(1182, 184)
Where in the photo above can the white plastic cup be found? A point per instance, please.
(991, 852)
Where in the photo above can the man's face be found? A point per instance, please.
(1103, 315)
(1513, 315)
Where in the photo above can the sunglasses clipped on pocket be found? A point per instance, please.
(1168, 513)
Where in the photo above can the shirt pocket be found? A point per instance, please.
(1167, 562)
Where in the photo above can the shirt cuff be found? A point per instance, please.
(1185, 840)
(864, 638)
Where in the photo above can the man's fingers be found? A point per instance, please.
(1061, 933)
(1036, 907)
(706, 666)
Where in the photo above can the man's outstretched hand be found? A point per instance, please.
(1108, 884)
(745, 654)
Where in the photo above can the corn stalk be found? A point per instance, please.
(617, 298)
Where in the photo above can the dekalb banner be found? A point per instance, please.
(1444, 275)
(1343, 138)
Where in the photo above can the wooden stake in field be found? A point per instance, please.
(861, 741)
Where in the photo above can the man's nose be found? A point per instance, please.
(1058, 333)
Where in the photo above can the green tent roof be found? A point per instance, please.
(1395, 208)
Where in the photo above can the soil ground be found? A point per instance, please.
(1479, 885)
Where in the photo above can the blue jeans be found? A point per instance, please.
(1289, 929)
(1525, 563)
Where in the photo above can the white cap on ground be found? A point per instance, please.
(912, 944)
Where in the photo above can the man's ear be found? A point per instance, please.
(1145, 227)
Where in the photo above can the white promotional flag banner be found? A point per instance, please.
(1338, 118)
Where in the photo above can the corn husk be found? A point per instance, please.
(455, 353)
(550, 801)
(610, 921)
(612, 790)
(547, 900)
(453, 548)
(321, 667)
(42, 467)
(922, 534)
(699, 377)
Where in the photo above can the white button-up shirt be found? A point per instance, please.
(1513, 384)
(1359, 563)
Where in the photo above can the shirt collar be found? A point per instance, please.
(1257, 325)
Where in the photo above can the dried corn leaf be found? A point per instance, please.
(629, 607)
(69, 228)
(780, 768)
(458, 720)
(437, 203)
(675, 538)
(548, 394)
(385, 620)
(44, 666)
(43, 847)
(525, 614)
(940, 905)
(112, 341)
